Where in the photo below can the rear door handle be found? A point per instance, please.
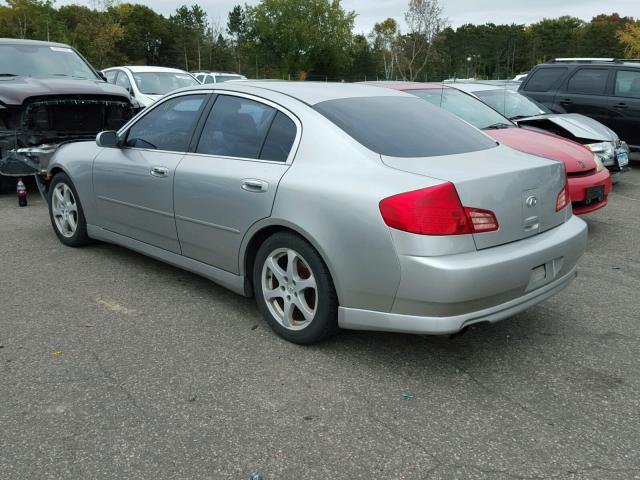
(621, 106)
(566, 101)
(254, 185)
(159, 171)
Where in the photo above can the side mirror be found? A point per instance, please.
(107, 139)
(103, 76)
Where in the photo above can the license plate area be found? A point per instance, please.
(623, 158)
(594, 194)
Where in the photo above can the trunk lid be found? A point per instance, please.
(520, 189)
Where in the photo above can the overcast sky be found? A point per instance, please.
(457, 11)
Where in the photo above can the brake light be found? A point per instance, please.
(435, 211)
(564, 197)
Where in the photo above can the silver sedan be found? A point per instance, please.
(335, 205)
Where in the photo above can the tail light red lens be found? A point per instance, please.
(564, 197)
(435, 211)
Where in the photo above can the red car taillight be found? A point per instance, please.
(564, 197)
(435, 211)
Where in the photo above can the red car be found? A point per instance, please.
(589, 181)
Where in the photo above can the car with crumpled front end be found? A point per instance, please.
(589, 182)
(526, 112)
(335, 205)
(50, 95)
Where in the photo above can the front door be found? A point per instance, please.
(134, 184)
(229, 182)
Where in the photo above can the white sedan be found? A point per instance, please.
(148, 84)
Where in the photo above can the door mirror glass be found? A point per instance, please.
(107, 139)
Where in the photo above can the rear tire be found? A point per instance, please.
(294, 289)
(65, 212)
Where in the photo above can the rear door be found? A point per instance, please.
(586, 92)
(626, 104)
(134, 184)
(229, 179)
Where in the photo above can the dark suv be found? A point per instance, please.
(605, 89)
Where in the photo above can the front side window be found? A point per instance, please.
(462, 105)
(400, 126)
(511, 104)
(236, 127)
(628, 83)
(589, 81)
(208, 79)
(544, 78)
(168, 125)
(160, 83)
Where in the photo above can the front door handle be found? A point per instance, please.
(566, 101)
(621, 106)
(159, 171)
(254, 185)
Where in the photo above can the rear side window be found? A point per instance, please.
(208, 79)
(589, 81)
(627, 83)
(403, 126)
(236, 127)
(167, 126)
(544, 78)
(279, 139)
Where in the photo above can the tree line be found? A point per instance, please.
(315, 39)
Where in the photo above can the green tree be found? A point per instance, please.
(300, 35)
(630, 38)
(598, 38)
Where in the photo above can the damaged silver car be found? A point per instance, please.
(50, 95)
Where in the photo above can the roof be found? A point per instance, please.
(148, 68)
(22, 41)
(310, 93)
(408, 85)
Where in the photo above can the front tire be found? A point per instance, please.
(294, 290)
(65, 212)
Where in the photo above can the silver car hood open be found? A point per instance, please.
(577, 125)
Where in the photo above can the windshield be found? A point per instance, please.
(511, 104)
(399, 126)
(159, 83)
(42, 61)
(465, 106)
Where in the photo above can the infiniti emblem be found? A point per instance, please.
(531, 201)
(581, 164)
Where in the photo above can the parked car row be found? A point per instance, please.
(404, 207)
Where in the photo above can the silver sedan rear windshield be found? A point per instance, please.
(403, 126)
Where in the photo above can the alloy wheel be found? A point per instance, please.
(289, 288)
(65, 210)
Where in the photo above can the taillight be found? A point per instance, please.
(435, 211)
(564, 197)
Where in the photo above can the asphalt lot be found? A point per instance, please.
(116, 366)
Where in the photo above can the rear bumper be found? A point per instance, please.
(441, 295)
(578, 187)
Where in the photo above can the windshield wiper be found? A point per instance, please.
(8, 74)
(518, 117)
(497, 126)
